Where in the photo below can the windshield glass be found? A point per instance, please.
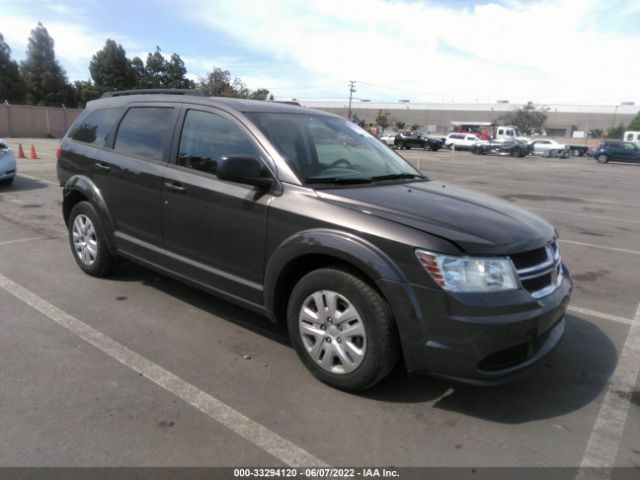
(327, 149)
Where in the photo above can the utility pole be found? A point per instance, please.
(352, 89)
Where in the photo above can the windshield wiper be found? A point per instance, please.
(398, 175)
(338, 180)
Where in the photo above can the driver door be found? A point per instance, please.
(214, 230)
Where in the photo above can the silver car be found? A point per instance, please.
(7, 164)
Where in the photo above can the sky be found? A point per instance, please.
(549, 52)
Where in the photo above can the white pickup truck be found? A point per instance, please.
(511, 132)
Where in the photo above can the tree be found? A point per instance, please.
(158, 72)
(529, 118)
(400, 125)
(86, 91)
(11, 84)
(616, 132)
(111, 69)
(415, 127)
(218, 83)
(383, 119)
(355, 119)
(45, 80)
(635, 123)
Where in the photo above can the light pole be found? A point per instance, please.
(615, 114)
(352, 89)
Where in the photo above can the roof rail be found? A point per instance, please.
(150, 91)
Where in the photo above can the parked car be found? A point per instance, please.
(616, 150)
(461, 141)
(8, 166)
(362, 256)
(549, 148)
(515, 148)
(417, 140)
(388, 139)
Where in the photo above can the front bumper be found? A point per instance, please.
(484, 339)
(7, 167)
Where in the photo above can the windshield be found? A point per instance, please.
(328, 149)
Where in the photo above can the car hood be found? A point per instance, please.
(476, 222)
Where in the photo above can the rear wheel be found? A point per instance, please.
(87, 241)
(576, 152)
(602, 158)
(7, 181)
(342, 329)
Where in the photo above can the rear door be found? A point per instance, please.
(129, 178)
(631, 152)
(214, 230)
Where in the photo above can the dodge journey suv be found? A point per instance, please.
(307, 219)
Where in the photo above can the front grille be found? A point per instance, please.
(540, 270)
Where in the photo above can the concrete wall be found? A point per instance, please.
(32, 121)
(438, 118)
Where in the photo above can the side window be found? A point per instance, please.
(97, 126)
(207, 137)
(629, 137)
(500, 132)
(143, 130)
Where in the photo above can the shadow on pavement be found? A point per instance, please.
(21, 184)
(571, 378)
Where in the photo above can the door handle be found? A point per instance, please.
(175, 187)
(103, 166)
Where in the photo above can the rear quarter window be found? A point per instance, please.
(96, 127)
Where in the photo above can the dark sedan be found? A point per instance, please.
(616, 150)
(515, 148)
(417, 140)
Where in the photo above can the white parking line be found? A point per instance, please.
(606, 436)
(262, 437)
(592, 245)
(566, 212)
(28, 239)
(604, 316)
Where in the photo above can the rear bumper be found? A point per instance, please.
(483, 339)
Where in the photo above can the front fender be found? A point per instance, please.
(85, 186)
(349, 248)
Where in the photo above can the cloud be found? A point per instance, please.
(74, 43)
(544, 51)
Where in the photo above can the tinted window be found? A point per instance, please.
(143, 130)
(97, 126)
(325, 147)
(207, 137)
(629, 146)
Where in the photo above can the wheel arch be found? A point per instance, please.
(80, 188)
(313, 249)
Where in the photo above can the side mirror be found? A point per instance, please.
(243, 169)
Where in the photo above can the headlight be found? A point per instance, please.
(468, 274)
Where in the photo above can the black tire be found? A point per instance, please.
(382, 345)
(435, 148)
(576, 152)
(602, 158)
(7, 181)
(104, 263)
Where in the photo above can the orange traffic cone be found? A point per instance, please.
(32, 154)
(20, 151)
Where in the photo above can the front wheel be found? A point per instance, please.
(87, 241)
(7, 181)
(602, 158)
(342, 329)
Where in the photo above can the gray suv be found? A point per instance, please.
(307, 219)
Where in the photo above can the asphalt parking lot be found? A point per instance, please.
(141, 370)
